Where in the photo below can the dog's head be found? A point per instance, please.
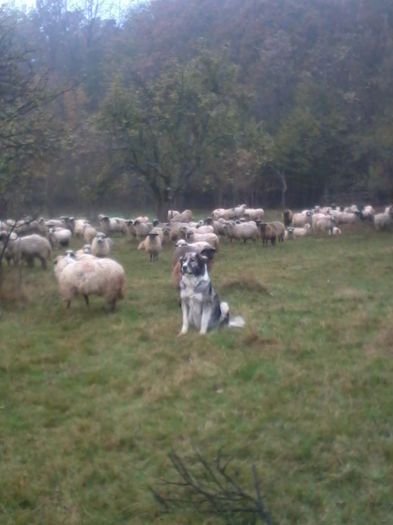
(193, 263)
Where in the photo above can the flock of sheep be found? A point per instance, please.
(89, 270)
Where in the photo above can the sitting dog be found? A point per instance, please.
(200, 304)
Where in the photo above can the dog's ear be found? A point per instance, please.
(202, 257)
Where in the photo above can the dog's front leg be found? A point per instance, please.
(206, 313)
(184, 309)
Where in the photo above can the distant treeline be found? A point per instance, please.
(196, 103)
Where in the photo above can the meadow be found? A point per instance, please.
(92, 403)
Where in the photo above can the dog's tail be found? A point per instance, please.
(237, 321)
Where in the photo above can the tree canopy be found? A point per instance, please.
(219, 100)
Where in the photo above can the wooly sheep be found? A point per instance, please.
(85, 250)
(89, 232)
(211, 238)
(294, 233)
(268, 233)
(28, 248)
(254, 214)
(301, 218)
(384, 221)
(280, 229)
(101, 245)
(324, 224)
(184, 216)
(113, 225)
(59, 236)
(141, 228)
(335, 231)
(242, 231)
(151, 244)
(90, 276)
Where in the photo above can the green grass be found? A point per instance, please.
(91, 403)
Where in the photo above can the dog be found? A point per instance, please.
(200, 304)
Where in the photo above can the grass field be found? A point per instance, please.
(91, 403)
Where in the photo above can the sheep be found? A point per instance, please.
(280, 230)
(268, 233)
(368, 212)
(324, 224)
(101, 245)
(79, 225)
(29, 226)
(59, 236)
(242, 231)
(112, 225)
(151, 244)
(211, 238)
(301, 218)
(287, 215)
(254, 214)
(335, 231)
(172, 214)
(85, 250)
(383, 221)
(205, 228)
(141, 228)
(90, 275)
(28, 247)
(293, 232)
(89, 232)
(184, 216)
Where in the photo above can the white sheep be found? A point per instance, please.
(294, 233)
(301, 218)
(101, 245)
(242, 231)
(59, 236)
(254, 214)
(28, 248)
(151, 244)
(184, 216)
(211, 238)
(90, 276)
(89, 232)
(384, 221)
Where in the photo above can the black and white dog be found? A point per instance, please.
(200, 304)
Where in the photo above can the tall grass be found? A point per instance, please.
(91, 403)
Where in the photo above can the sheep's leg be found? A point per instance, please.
(68, 303)
(43, 263)
(86, 297)
(184, 309)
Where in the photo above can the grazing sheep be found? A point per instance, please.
(151, 244)
(28, 248)
(211, 238)
(90, 276)
(242, 231)
(79, 225)
(254, 214)
(113, 225)
(324, 224)
(59, 236)
(301, 218)
(101, 245)
(184, 216)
